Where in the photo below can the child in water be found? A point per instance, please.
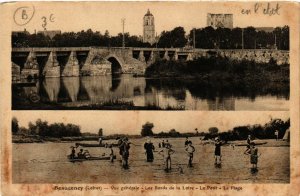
(167, 152)
(253, 152)
(190, 149)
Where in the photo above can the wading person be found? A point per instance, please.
(186, 143)
(276, 134)
(149, 147)
(125, 146)
(253, 152)
(190, 149)
(167, 152)
(218, 145)
(163, 143)
(73, 152)
(249, 139)
(120, 142)
(100, 141)
(111, 155)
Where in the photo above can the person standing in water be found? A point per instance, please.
(73, 152)
(163, 143)
(100, 141)
(218, 145)
(249, 139)
(167, 152)
(186, 143)
(276, 134)
(149, 147)
(190, 149)
(253, 152)
(111, 155)
(125, 146)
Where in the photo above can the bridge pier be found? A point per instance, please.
(15, 72)
(166, 56)
(31, 67)
(72, 66)
(189, 57)
(141, 56)
(52, 68)
(175, 57)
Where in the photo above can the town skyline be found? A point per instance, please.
(194, 15)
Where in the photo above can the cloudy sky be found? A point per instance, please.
(107, 15)
(131, 122)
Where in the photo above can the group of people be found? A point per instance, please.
(167, 151)
(82, 154)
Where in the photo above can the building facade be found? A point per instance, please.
(149, 28)
(220, 20)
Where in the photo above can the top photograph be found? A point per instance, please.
(150, 56)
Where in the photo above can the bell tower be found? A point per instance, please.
(149, 28)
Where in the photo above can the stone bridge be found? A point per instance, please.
(75, 61)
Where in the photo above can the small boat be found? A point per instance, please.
(95, 145)
(76, 159)
(256, 144)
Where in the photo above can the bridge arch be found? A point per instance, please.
(116, 64)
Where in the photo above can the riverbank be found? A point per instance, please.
(221, 69)
(110, 105)
(38, 139)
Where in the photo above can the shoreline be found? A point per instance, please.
(17, 139)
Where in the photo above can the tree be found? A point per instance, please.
(147, 129)
(14, 125)
(213, 130)
(175, 38)
(100, 132)
(174, 133)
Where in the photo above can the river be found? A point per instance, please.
(147, 93)
(47, 163)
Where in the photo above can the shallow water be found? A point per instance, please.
(161, 93)
(47, 163)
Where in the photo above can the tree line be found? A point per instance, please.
(206, 38)
(44, 129)
(266, 131)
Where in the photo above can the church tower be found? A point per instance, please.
(149, 28)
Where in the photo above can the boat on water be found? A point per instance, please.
(245, 144)
(95, 145)
(76, 159)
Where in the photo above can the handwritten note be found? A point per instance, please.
(23, 15)
(263, 8)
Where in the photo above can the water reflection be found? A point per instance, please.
(157, 93)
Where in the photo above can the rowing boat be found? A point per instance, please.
(76, 159)
(246, 144)
(95, 145)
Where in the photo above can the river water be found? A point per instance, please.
(146, 93)
(47, 163)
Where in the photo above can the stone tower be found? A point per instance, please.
(149, 28)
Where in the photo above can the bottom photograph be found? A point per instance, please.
(150, 147)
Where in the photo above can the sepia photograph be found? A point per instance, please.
(154, 98)
(144, 60)
(194, 148)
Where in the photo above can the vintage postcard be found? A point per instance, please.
(155, 98)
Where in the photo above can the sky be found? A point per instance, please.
(168, 15)
(130, 122)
